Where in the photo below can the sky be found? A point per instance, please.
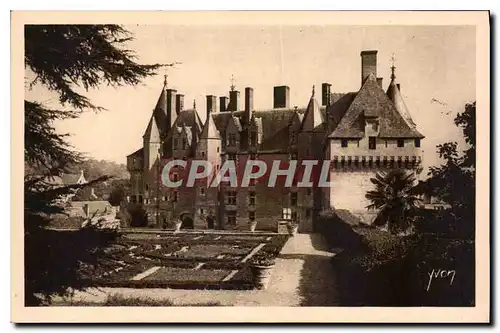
(435, 65)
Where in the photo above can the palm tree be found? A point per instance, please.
(395, 199)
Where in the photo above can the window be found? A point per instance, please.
(203, 154)
(417, 143)
(401, 143)
(253, 138)
(232, 139)
(140, 199)
(176, 143)
(218, 149)
(251, 198)
(343, 143)
(202, 190)
(223, 137)
(308, 213)
(202, 211)
(165, 198)
(133, 199)
(231, 198)
(287, 213)
(147, 187)
(184, 143)
(294, 216)
(251, 216)
(293, 199)
(385, 143)
(372, 142)
(231, 217)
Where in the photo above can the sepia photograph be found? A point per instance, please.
(308, 161)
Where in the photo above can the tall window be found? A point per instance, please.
(176, 143)
(417, 143)
(401, 143)
(308, 213)
(293, 199)
(231, 198)
(251, 198)
(231, 139)
(231, 217)
(253, 138)
(344, 143)
(372, 142)
(251, 216)
(294, 216)
(203, 154)
(287, 213)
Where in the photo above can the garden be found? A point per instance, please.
(183, 260)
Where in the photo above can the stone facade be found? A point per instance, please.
(359, 133)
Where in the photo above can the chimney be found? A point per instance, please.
(248, 104)
(281, 97)
(179, 103)
(234, 100)
(171, 113)
(379, 81)
(211, 104)
(223, 103)
(399, 86)
(325, 94)
(249, 99)
(368, 64)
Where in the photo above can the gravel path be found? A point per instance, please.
(303, 276)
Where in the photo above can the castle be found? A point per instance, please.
(359, 132)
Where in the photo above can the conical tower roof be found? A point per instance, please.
(395, 96)
(152, 134)
(209, 129)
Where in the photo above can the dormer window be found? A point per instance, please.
(372, 142)
(401, 143)
(343, 143)
(231, 139)
(417, 143)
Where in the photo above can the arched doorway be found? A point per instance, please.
(210, 222)
(187, 221)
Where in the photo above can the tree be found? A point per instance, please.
(394, 198)
(64, 58)
(454, 180)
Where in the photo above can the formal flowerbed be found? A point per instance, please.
(184, 260)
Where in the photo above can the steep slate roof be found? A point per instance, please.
(313, 117)
(371, 101)
(160, 111)
(395, 96)
(152, 132)
(188, 118)
(138, 152)
(209, 129)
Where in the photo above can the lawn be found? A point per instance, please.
(184, 260)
